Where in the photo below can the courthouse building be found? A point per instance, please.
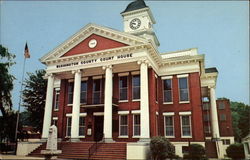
(115, 86)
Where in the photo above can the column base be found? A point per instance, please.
(74, 140)
(108, 140)
(43, 139)
(144, 140)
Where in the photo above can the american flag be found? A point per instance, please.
(26, 51)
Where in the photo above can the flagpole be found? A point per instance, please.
(19, 104)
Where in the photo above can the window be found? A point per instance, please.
(156, 89)
(68, 127)
(56, 100)
(136, 87)
(70, 92)
(221, 105)
(137, 127)
(97, 91)
(207, 129)
(123, 88)
(54, 121)
(167, 85)
(226, 141)
(169, 126)
(82, 126)
(186, 126)
(206, 117)
(123, 125)
(183, 89)
(83, 98)
(222, 117)
(206, 106)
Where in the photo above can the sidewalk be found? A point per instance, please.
(14, 157)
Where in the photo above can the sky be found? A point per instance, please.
(219, 29)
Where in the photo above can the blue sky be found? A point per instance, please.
(219, 29)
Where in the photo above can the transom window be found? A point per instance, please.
(56, 101)
(82, 126)
(123, 125)
(97, 91)
(137, 123)
(169, 126)
(83, 98)
(167, 85)
(136, 87)
(68, 127)
(183, 89)
(70, 92)
(123, 88)
(186, 125)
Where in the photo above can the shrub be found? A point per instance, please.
(195, 152)
(161, 148)
(235, 151)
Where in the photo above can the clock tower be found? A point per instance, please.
(138, 20)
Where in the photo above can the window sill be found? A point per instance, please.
(168, 103)
(67, 136)
(186, 136)
(81, 136)
(56, 110)
(121, 101)
(70, 105)
(169, 136)
(123, 137)
(136, 137)
(136, 100)
(181, 102)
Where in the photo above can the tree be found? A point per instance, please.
(161, 148)
(34, 96)
(6, 79)
(235, 151)
(195, 152)
(241, 119)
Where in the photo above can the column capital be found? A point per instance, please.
(107, 66)
(211, 86)
(47, 75)
(76, 71)
(143, 61)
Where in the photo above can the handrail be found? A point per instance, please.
(92, 149)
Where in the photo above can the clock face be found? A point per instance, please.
(135, 23)
(92, 43)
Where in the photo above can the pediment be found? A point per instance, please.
(94, 43)
(107, 38)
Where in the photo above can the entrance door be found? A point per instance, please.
(98, 135)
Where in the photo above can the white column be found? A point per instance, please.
(214, 115)
(215, 124)
(76, 106)
(48, 106)
(145, 131)
(107, 125)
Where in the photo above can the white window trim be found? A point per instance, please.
(136, 136)
(189, 123)
(188, 113)
(68, 125)
(98, 113)
(136, 111)
(86, 92)
(125, 100)
(172, 116)
(82, 115)
(123, 112)
(168, 113)
(171, 91)
(123, 74)
(70, 104)
(57, 92)
(123, 136)
(167, 77)
(183, 76)
(121, 101)
(97, 91)
(135, 73)
(85, 78)
(55, 118)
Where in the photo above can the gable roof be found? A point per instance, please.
(85, 32)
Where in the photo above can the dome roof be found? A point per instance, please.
(137, 4)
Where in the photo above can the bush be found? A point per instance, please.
(161, 148)
(235, 151)
(195, 152)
